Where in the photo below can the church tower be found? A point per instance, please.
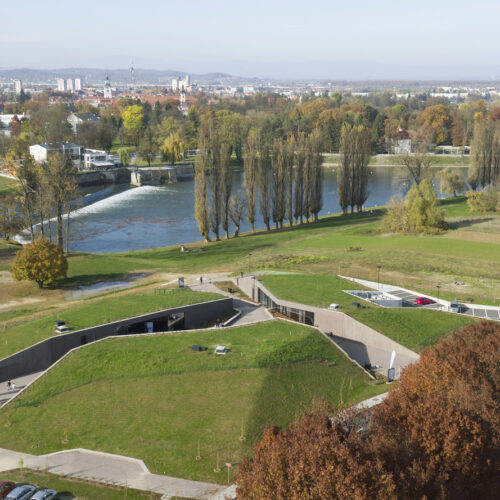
(108, 93)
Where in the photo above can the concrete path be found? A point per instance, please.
(370, 403)
(408, 297)
(112, 470)
(20, 383)
(250, 313)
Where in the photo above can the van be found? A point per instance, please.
(455, 307)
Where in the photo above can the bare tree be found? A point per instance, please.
(226, 181)
(278, 176)
(265, 183)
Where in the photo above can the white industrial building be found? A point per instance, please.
(181, 84)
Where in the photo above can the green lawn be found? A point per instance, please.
(69, 489)
(153, 398)
(95, 312)
(413, 328)
(7, 186)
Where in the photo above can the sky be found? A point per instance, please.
(288, 39)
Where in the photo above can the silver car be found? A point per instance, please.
(45, 494)
(21, 492)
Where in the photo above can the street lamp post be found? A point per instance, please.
(438, 287)
(378, 277)
(249, 263)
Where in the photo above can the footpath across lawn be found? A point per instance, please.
(95, 312)
(412, 327)
(154, 398)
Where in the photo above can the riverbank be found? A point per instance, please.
(389, 160)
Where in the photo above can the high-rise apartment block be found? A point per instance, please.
(61, 85)
(78, 84)
(18, 86)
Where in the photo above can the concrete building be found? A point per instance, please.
(42, 152)
(18, 86)
(61, 85)
(78, 84)
(181, 84)
(76, 119)
(69, 85)
(401, 145)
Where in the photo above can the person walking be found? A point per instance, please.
(9, 385)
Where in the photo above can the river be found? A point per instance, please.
(120, 218)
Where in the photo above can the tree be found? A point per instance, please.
(418, 166)
(133, 122)
(396, 218)
(278, 177)
(237, 209)
(438, 122)
(10, 221)
(264, 182)
(250, 176)
(173, 148)
(125, 156)
(226, 185)
(41, 262)
(147, 147)
(424, 214)
(451, 181)
(483, 201)
(352, 175)
(436, 435)
(59, 176)
(485, 152)
(200, 189)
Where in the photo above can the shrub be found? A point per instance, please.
(483, 201)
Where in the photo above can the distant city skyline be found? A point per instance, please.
(287, 39)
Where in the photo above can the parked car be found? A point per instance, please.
(45, 494)
(220, 349)
(62, 329)
(6, 487)
(423, 301)
(455, 307)
(334, 307)
(21, 492)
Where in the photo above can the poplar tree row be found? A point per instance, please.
(283, 181)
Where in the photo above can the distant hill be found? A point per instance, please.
(94, 75)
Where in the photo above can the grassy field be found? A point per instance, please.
(17, 335)
(7, 186)
(70, 489)
(348, 244)
(413, 328)
(153, 398)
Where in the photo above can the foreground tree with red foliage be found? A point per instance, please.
(435, 436)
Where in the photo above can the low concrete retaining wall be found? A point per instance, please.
(41, 356)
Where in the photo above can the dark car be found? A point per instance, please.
(6, 487)
(422, 301)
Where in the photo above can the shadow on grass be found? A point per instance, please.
(469, 222)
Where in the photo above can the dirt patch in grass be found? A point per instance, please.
(475, 235)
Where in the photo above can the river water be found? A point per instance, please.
(121, 218)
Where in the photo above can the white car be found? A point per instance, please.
(62, 329)
(220, 349)
(45, 494)
(334, 307)
(22, 492)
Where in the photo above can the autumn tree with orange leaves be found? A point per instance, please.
(435, 437)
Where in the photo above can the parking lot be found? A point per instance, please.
(476, 312)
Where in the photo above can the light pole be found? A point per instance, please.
(249, 263)
(438, 287)
(378, 277)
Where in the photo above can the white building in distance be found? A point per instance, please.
(76, 119)
(181, 84)
(69, 85)
(78, 84)
(61, 85)
(18, 86)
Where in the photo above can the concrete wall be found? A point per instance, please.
(115, 176)
(336, 322)
(42, 355)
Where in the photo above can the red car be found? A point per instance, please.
(422, 301)
(5, 488)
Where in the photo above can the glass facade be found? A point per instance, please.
(299, 315)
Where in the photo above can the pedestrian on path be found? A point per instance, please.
(201, 280)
